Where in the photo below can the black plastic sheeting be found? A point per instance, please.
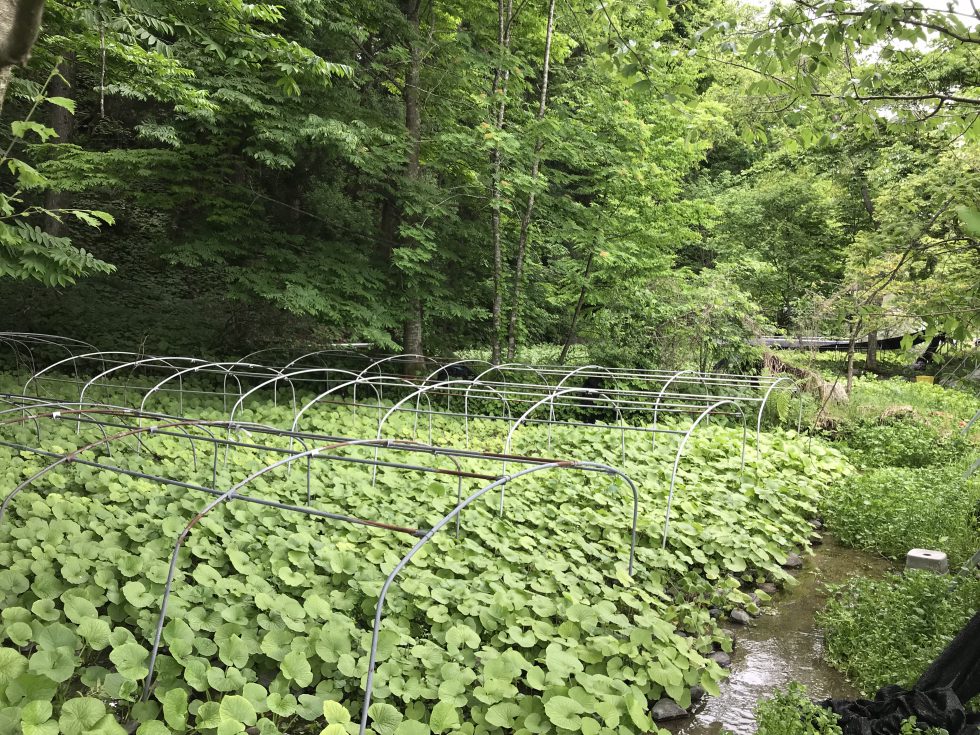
(893, 705)
(936, 700)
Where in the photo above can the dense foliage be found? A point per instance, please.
(659, 180)
(887, 631)
(792, 712)
(525, 622)
(892, 510)
(910, 492)
(901, 441)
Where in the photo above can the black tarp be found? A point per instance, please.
(936, 700)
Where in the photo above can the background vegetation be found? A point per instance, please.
(658, 180)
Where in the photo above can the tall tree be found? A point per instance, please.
(522, 238)
(20, 22)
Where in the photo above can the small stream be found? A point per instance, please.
(782, 645)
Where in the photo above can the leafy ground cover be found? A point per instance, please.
(888, 631)
(526, 623)
(913, 489)
(893, 509)
(910, 491)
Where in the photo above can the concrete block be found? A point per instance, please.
(934, 561)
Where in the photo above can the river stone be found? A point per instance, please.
(697, 693)
(756, 600)
(816, 540)
(721, 658)
(793, 561)
(714, 612)
(817, 524)
(769, 588)
(740, 616)
(667, 709)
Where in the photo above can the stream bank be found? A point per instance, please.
(781, 646)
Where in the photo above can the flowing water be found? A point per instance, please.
(783, 645)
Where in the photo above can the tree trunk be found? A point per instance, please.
(6, 72)
(515, 300)
(20, 21)
(871, 358)
(412, 336)
(412, 325)
(500, 79)
(578, 310)
(855, 330)
(63, 123)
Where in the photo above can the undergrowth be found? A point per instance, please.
(888, 631)
(893, 509)
(903, 442)
(791, 712)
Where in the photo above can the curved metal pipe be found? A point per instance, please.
(379, 607)
(680, 451)
(551, 398)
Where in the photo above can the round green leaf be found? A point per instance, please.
(79, 715)
(564, 712)
(384, 718)
(237, 709)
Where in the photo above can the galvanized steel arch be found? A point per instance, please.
(391, 358)
(762, 408)
(550, 399)
(70, 456)
(315, 353)
(680, 451)
(371, 380)
(232, 493)
(583, 368)
(100, 356)
(446, 366)
(478, 380)
(435, 386)
(275, 380)
(164, 361)
(445, 520)
(424, 390)
(226, 368)
(660, 396)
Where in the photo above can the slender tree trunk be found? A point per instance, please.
(871, 359)
(515, 300)
(20, 21)
(578, 310)
(412, 336)
(855, 331)
(412, 326)
(63, 123)
(6, 72)
(500, 79)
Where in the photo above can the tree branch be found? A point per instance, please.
(904, 97)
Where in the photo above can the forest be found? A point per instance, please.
(538, 367)
(658, 181)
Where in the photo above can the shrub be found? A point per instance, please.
(901, 442)
(790, 712)
(944, 408)
(894, 509)
(887, 631)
